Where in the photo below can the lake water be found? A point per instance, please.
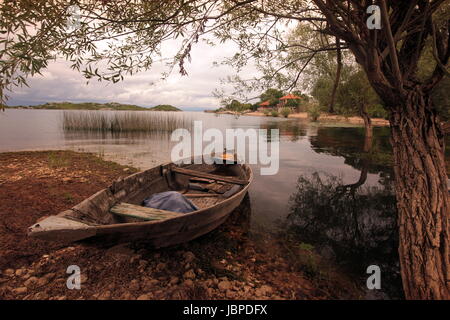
(353, 226)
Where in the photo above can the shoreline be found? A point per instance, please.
(227, 263)
(324, 117)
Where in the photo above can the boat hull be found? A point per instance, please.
(133, 189)
(170, 232)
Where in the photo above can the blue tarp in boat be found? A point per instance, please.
(170, 201)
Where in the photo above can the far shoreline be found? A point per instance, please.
(324, 117)
(94, 106)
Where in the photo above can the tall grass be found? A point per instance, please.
(143, 121)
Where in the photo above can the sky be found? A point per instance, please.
(191, 93)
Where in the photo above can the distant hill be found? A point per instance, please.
(164, 107)
(83, 106)
(96, 106)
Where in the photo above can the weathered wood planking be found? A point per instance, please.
(142, 213)
(195, 173)
(58, 228)
(179, 225)
(201, 195)
(196, 179)
(177, 228)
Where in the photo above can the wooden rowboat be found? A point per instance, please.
(115, 213)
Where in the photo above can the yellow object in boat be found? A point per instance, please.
(225, 158)
(228, 156)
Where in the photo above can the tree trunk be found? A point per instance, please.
(368, 137)
(338, 76)
(422, 198)
(362, 178)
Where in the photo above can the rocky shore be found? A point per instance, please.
(228, 263)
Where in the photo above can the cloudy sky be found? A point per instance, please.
(192, 92)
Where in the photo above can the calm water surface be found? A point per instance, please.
(326, 193)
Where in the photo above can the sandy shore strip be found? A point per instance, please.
(325, 117)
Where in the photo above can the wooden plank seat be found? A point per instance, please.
(194, 173)
(142, 213)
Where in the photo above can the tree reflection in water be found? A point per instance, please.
(353, 224)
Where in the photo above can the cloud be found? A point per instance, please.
(60, 83)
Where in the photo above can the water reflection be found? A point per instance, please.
(351, 144)
(352, 224)
(355, 226)
(288, 130)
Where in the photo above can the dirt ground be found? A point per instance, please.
(227, 263)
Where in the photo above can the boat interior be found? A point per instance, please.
(205, 185)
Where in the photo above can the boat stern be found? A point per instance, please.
(58, 228)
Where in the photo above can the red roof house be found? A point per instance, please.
(290, 96)
(264, 106)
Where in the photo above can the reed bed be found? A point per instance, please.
(134, 121)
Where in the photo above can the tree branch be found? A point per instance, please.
(392, 49)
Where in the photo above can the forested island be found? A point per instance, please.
(164, 107)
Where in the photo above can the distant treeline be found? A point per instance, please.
(96, 106)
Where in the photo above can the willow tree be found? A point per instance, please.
(111, 39)
(390, 58)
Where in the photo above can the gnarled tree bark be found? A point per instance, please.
(422, 197)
